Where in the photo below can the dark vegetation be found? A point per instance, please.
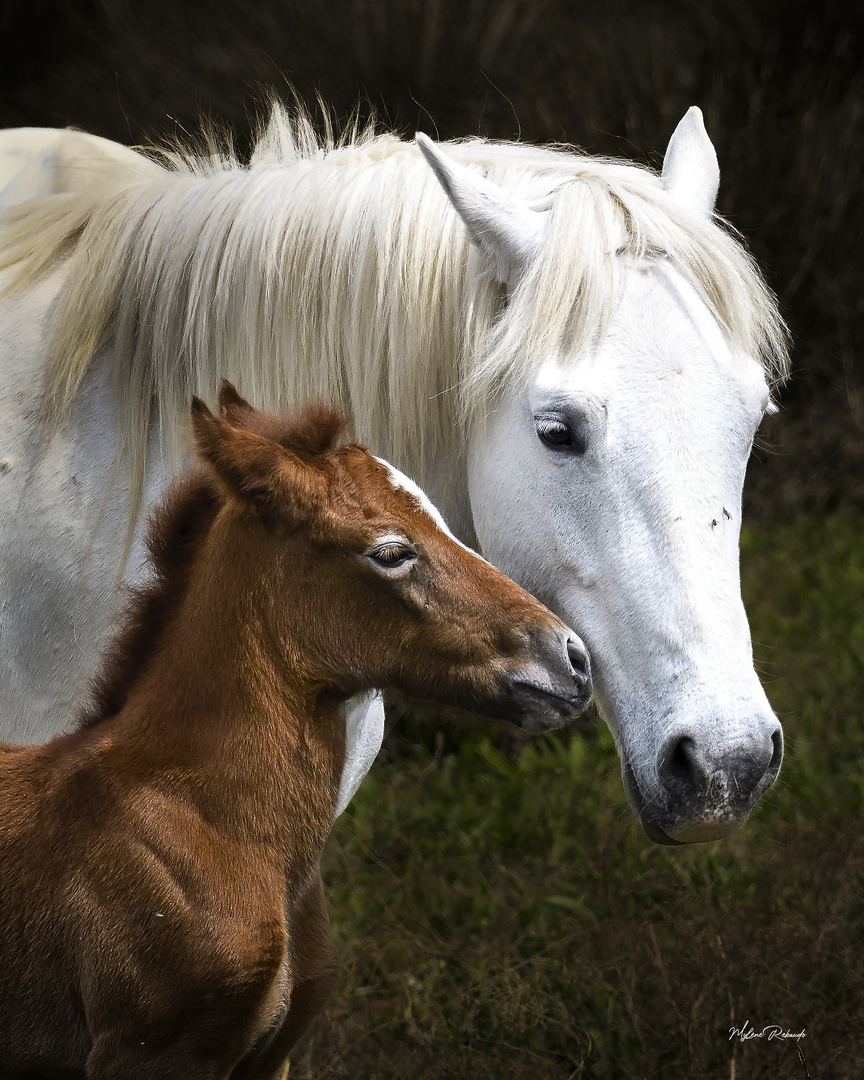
(498, 911)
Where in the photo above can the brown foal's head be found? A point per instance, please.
(362, 580)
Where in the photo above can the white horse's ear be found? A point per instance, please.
(506, 231)
(690, 169)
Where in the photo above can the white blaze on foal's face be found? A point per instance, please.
(364, 713)
(399, 480)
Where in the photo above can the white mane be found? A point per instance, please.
(340, 271)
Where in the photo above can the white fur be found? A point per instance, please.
(349, 255)
(635, 543)
(364, 733)
(35, 162)
(342, 272)
(506, 231)
(690, 170)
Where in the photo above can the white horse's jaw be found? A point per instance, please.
(636, 523)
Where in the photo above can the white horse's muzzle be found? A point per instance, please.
(702, 789)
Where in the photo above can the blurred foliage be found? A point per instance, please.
(780, 82)
(503, 916)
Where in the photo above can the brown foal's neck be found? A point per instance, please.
(228, 712)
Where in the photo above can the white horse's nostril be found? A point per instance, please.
(686, 769)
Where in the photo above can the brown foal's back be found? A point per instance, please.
(161, 912)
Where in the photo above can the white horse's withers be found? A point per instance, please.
(576, 378)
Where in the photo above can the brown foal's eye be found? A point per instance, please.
(391, 554)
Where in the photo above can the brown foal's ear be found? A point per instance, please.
(255, 469)
(310, 430)
(234, 408)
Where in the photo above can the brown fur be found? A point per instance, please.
(176, 530)
(161, 911)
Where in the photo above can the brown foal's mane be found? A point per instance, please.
(176, 532)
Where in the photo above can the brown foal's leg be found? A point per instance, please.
(315, 965)
(111, 1059)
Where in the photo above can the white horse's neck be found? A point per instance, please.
(364, 733)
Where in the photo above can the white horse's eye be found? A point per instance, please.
(557, 433)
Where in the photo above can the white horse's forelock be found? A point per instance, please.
(342, 263)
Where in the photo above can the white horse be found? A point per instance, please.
(571, 354)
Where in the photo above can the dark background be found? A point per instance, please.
(500, 915)
(780, 83)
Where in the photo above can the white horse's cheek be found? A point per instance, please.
(498, 453)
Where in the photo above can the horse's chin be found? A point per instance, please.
(670, 831)
(541, 709)
(702, 832)
(692, 832)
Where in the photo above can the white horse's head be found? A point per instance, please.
(619, 468)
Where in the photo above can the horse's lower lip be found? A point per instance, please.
(565, 702)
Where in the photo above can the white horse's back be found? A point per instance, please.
(35, 162)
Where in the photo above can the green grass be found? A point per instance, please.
(502, 915)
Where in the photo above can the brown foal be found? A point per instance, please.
(161, 910)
